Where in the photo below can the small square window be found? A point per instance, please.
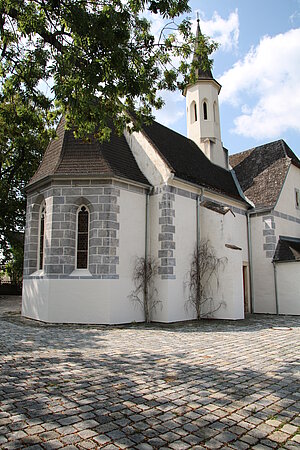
(297, 198)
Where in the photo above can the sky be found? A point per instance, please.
(258, 66)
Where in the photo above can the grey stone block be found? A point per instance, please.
(110, 259)
(268, 232)
(168, 228)
(168, 262)
(166, 220)
(107, 216)
(270, 239)
(165, 236)
(110, 224)
(52, 269)
(103, 250)
(110, 207)
(167, 245)
(107, 233)
(165, 270)
(67, 242)
(96, 259)
(103, 269)
(168, 196)
(73, 191)
(107, 242)
(70, 234)
(57, 250)
(58, 200)
(166, 204)
(165, 253)
(269, 246)
(107, 199)
(111, 191)
(68, 268)
(183, 193)
(168, 212)
(96, 242)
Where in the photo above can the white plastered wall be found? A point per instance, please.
(288, 287)
(221, 230)
(263, 271)
(205, 133)
(95, 300)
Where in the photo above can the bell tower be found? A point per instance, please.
(203, 119)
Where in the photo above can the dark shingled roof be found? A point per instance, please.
(288, 249)
(66, 155)
(261, 171)
(188, 162)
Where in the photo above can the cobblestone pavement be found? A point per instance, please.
(210, 385)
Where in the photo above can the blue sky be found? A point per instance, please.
(258, 65)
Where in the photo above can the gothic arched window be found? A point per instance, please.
(193, 112)
(82, 238)
(42, 221)
(215, 112)
(205, 110)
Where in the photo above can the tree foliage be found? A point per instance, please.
(91, 60)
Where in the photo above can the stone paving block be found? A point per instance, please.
(179, 445)
(101, 439)
(278, 436)
(289, 429)
(53, 444)
(129, 386)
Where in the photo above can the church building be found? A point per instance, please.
(93, 209)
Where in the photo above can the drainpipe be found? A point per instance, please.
(276, 288)
(250, 260)
(146, 309)
(147, 225)
(199, 201)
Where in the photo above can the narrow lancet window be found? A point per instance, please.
(215, 112)
(42, 237)
(195, 112)
(205, 110)
(82, 238)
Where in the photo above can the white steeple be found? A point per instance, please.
(203, 119)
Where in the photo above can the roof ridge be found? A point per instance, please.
(62, 146)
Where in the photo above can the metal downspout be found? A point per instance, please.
(199, 201)
(147, 225)
(276, 288)
(250, 261)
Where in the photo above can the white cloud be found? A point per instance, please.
(268, 78)
(223, 31)
(174, 109)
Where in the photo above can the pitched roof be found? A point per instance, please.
(262, 170)
(202, 59)
(188, 162)
(288, 249)
(69, 156)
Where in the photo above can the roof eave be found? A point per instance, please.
(50, 178)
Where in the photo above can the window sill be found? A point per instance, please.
(80, 273)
